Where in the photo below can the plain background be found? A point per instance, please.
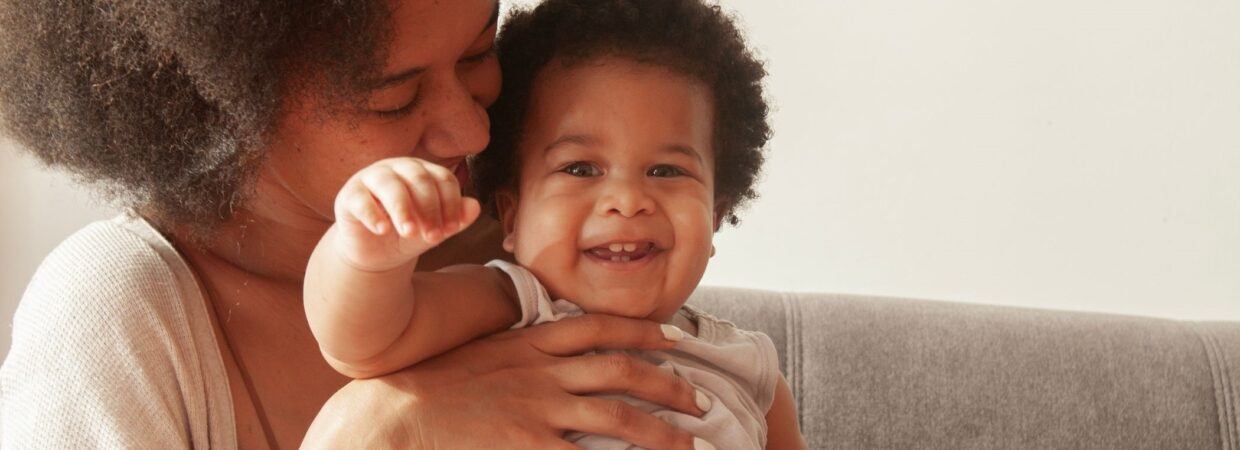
(1079, 154)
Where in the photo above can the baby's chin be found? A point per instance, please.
(623, 305)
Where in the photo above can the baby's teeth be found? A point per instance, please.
(630, 247)
(620, 259)
(616, 247)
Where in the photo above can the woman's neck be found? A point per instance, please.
(251, 272)
(276, 247)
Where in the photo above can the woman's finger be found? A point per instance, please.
(615, 418)
(529, 438)
(625, 374)
(589, 332)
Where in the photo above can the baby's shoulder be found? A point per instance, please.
(749, 356)
(712, 328)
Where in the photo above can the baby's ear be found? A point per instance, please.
(506, 206)
(721, 210)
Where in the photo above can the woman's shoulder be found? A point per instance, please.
(115, 278)
(109, 334)
(108, 268)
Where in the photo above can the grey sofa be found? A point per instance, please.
(880, 373)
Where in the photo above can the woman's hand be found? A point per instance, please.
(519, 389)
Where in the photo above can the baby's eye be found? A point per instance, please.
(665, 171)
(581, 169)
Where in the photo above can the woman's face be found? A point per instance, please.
(439, 75)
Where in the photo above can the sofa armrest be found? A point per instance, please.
(885, 373)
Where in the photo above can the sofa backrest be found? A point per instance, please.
(883, 373)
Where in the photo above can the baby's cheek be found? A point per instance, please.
(694, 223)
(547, 242)
(694, 235)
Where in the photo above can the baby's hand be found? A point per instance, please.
(396, 209)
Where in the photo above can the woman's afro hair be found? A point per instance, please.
(686, 36)
(163, 104)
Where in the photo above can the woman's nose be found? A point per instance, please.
(626, 197)
(456, 123)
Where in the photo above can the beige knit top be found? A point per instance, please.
(113, 348)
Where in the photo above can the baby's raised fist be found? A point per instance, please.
(396, 209)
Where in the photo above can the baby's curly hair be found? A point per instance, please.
(685, 36)
(163, 104)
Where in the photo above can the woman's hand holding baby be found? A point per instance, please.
(518, 389)
(396, 209)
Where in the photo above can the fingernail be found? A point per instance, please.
(700, 444)
(703, 402)
(671, 333)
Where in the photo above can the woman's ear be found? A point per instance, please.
(506, 206)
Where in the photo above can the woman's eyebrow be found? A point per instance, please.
(407, 74)
(398, 78)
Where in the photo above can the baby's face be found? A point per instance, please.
(615, 208)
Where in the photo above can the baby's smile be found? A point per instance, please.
(624, 252)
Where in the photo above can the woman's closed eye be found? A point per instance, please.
(398, 112)
(407, 96)
(408, 107)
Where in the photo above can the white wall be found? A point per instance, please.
(1063, 154)
(1060, 154)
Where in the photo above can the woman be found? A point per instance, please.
(227, 130)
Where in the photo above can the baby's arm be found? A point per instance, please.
(371, 313)
(782, 431)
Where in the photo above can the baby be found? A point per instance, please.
(627, 132)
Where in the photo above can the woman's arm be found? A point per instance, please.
(371, 313)
(515, 390)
